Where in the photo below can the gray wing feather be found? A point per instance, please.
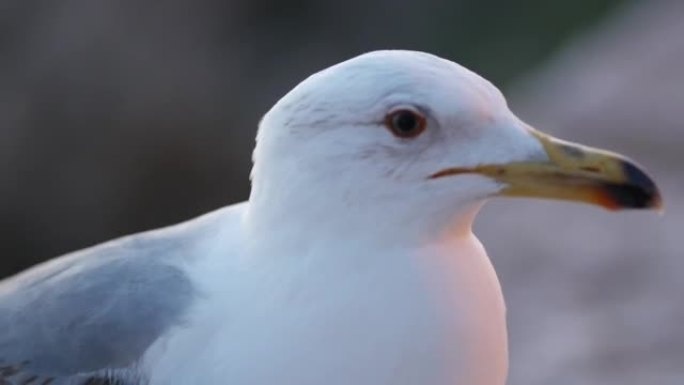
(96, 310)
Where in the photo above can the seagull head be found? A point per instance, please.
(407, 136)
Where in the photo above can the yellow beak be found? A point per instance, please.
(575, 173)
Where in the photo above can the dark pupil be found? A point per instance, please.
(405, 122)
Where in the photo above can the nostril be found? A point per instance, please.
(573, 151)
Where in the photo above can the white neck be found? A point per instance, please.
(299, 217)
(428, 283)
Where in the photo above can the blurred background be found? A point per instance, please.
(118, 116)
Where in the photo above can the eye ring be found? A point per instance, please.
(405, 122)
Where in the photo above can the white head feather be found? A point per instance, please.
(324, 151)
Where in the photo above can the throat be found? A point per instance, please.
(379, 226)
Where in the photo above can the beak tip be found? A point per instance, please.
(658, 205)
(638, 191)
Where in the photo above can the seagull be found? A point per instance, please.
(352, 262)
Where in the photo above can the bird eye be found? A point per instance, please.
(405, 123)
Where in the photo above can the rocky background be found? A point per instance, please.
(119, 116)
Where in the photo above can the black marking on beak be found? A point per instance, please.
(638, 191)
